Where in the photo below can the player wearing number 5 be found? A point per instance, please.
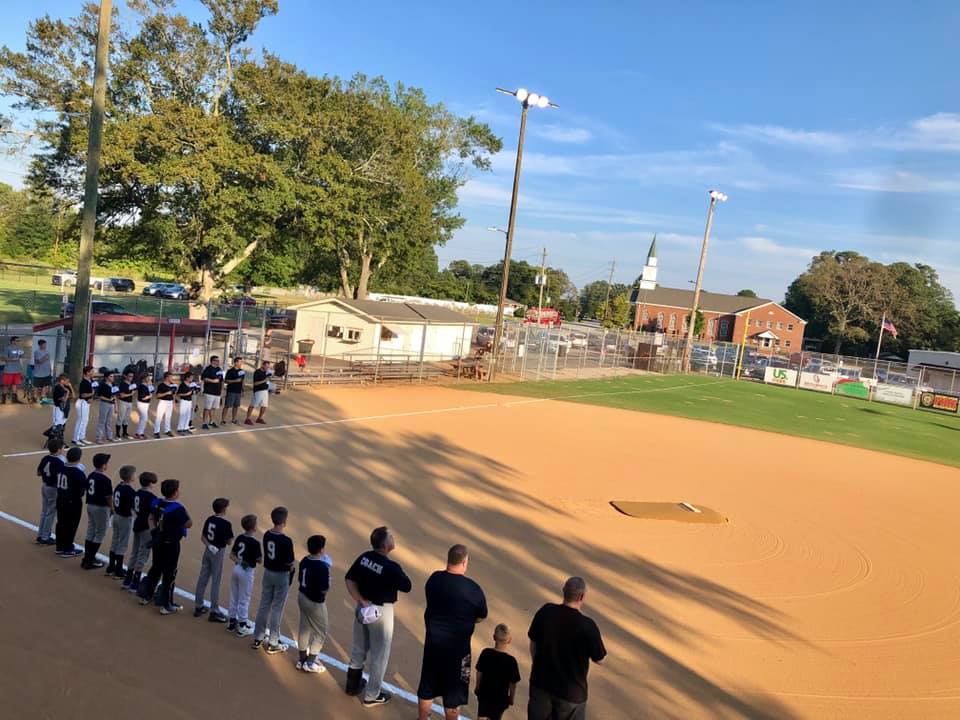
(217, 533)
(278, 572)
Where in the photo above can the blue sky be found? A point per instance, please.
(829, 125)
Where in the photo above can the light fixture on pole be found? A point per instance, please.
(715, 197)
(494, 228)
(527, 100)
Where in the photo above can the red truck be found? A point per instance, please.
(549, 317)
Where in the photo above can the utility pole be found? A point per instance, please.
(606, 302)
(543, 281)
(715, 197)
(81, 305)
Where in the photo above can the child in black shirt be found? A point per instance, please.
(497, 677)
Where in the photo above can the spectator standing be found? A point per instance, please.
(455, 604)
(42, 371)
(497, 677)
(234, 382)
(12, 371)
(563, 641)
(373, 581)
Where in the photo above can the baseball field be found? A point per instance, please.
(832, 590)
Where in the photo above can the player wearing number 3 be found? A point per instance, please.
(216, 535)
(278, 572)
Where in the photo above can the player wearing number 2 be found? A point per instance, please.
(278, 571)
(217, 533)
(246, 555)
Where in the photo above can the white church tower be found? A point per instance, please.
(648, 280)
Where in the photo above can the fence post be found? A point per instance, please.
(323, 351)
(376, 365)
(423, 347)
(206, 338)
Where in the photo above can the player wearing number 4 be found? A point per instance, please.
(49, 470)
(278, 572)
(246, 555)
(217, 533)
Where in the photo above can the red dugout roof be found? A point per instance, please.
(145, 325)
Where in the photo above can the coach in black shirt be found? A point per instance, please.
(373, 581)
(563, 641)
(455, 604)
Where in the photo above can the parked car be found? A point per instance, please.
(578, 340)
(558, 344)
(121, 284)
(154, 288)
(97, 307)
(703, 357)
(64, 278)
(244, 300)
(174, 291)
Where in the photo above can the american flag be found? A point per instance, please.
(889, 327)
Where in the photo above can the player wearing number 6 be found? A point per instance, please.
(246, 555)
(278, 572)
(124, 497)
(217, 533)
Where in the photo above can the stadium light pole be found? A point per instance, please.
(527, 100)
(79, 332)
(715, 197)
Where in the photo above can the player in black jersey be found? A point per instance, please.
(124, 497)
(246, 554)
(216, 534)
(71, 487)
(49, 472)
(125, 390)
(99, 508)
(142, 502)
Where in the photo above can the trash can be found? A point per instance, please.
(305, 347)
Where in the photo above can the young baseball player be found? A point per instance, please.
(124, 497)
(107, 399)
(60, 398)
(125, 391)
(171, 522)
(145, 390)
(217, 533)
(212, 377)
(234, 382)
(185, 403)
(261, 393)
(278, 571)
(314, 584)
(246, 555)
(49, 470)
(99, 507)
(165, 392)
(142, 503)
(71, 487)
(497, 676)
(84, 398)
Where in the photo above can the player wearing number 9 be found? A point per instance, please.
(278, 566)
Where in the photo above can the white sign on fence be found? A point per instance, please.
(821, 382)
(780, 376)
(895, 394)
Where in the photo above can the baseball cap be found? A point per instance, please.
(369, 614)
(100, 459)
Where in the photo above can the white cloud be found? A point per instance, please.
(560, 134)
(938, 132)
(779, 135)
(895, 181)
(767, 246)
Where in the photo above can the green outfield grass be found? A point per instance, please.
(888, 428)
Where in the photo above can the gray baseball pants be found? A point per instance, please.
(273, 595)
(141, 550)
(48, 510)
(371, 647)
(211, 569)
(312, 632)
(98, 520)
(121, 534)
(104, 429)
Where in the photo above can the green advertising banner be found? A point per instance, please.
(852, 388)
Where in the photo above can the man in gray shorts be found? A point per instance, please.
(99, 508)
(234, 382)
(42, 371)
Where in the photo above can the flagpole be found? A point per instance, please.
(876, 358)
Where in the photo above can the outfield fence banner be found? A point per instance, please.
(818, 382)
(852, 388)
(893, 394)
(780, 376)
(930, 400)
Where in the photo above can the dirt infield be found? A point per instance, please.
(833, 590)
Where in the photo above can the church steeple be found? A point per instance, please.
(652, 252)
(648, 280)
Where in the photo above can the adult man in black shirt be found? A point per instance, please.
(563, 641)
(212, 377)
(234, 382)
(261, 393)
(455, 604)
(373, 581)
(71, 486)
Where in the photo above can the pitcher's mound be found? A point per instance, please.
(681, 512)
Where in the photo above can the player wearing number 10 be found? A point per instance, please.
(278, 572)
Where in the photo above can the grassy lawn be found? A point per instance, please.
(888, 428)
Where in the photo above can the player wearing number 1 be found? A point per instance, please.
(278, 571)
(246, 555)
(314, 585)
(217, 533)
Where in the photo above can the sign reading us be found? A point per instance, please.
(780, 376)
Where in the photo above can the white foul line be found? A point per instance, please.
(338, 664)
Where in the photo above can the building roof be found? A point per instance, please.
(145, 325)
(709, 302)
(393, 311)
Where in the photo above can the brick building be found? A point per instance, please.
(726, 318)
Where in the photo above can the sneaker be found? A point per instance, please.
(232, 625)
(261, 422)
(49, 541)
(213, 425)
(217, 617)
(311, 666)
(205, 426)
(169, 609)
(275, 648)
(244, 629)
(72, 553)
(248, 421)
(256, 645)
(382, 699)
(236, 422)
(200, 611)
(168, 433)
(95, 564)
(143, 600)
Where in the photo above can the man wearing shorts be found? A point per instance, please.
(42, 371)
(234, 382)
(12, 371)
(212, 377)
(261, 393)
(455, 604)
